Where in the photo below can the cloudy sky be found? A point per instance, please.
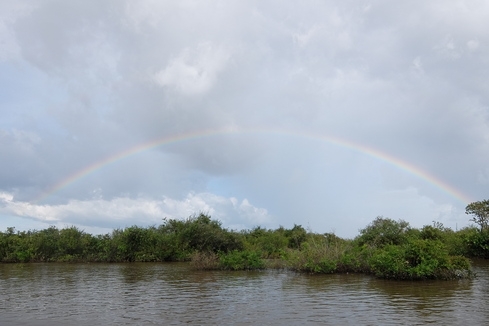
(325, 113)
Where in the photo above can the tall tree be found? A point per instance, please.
(480, 210)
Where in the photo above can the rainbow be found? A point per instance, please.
(372, 152)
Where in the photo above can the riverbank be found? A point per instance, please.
(385, 248)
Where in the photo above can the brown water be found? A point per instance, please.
(173, 294)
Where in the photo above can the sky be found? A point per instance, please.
(325, 114)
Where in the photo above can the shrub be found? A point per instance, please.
(320, 254)
(389, 262)
(241, 260)
(384, 231)
(205, 260)
(197, 233)
(296, 236)
(477, 242)
(354, 259)
(432, 233)
(418, 259)
(270, 243)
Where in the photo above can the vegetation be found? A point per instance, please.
(480, 210)
(385, 248)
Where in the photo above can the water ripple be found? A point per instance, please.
(173, 294)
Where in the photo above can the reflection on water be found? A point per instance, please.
(172, 294)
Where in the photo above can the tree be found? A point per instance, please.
(384, 231)
(480, 210)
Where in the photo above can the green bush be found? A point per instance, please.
(270, 243)
(477, 242)
(417, 259)
(197, 233)
(320, 254)
(241, 260)
(296, 236)
(390, 262)
(383, 231)
(354, 259)
(386, 248)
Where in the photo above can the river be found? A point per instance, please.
(174, 294)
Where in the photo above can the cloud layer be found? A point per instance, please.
(243, 98)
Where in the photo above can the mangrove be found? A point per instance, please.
(385, 248)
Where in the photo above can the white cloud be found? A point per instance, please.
(124, 211)
(10, 11)
(194, 71)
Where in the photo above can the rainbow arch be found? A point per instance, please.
(369, 151)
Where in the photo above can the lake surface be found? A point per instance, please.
(174, 294)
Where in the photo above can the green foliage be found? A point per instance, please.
(45, 244)
(197, 233)
(241, 260)
(295, 236)
(429, 232)
(417, 259)
(455, 244)
(480, 210)
(476, 242)
(75, 245)
(269, 242)
(384, 231)
(355, 259)
(173, 240)
(322, 254)
(273, 243)
(386, 248)
(389, 262)
(131, 244)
